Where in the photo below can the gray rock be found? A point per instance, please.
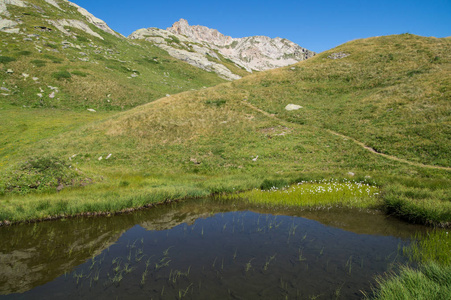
(95, 21)
(338, 55)
(53, 2)
(9, 71)
(62, 24)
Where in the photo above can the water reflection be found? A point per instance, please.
(199, 249)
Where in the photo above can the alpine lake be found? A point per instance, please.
(204, 249)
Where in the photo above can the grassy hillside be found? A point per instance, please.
(103, 72)
(390, 94)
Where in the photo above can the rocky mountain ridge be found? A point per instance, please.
(209, 49)
(256, 52)
(11, 26)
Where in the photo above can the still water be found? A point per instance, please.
(203, 249)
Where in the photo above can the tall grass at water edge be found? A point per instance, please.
(90, 201)
(426, 202)
(432, 280)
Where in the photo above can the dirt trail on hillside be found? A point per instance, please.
(386, 155)
(355, 141)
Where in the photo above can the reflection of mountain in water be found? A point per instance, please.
(33, 254)
(172, 219)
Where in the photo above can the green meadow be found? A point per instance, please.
(380, 115)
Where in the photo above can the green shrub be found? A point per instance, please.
(267, 184)
(217, 103)
(53, 46)
(24, 53)
(54, 59)
(6, 59)
(39, 63)
(79, 73)
(82, 39)
(61, 75)
(38, 173)
(172, 39)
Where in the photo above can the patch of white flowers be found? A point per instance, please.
(328, 186)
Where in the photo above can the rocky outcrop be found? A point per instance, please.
(208, 49)
(94, 20)
(4, 8)
(53, 2)
(59, 24)
(185, 49)
(7, 25)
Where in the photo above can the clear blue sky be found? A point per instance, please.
(315, 25)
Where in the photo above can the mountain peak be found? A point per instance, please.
(200, 33)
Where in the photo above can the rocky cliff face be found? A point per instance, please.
(200, 55)
(199, 44)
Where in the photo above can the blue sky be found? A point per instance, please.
(315, 25)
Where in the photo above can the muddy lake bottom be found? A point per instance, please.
(204, 249)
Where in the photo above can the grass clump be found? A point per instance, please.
(54, 59)
(79, 73)
(435, 247)
(268, 184)
(39, 63)
(216, 103)
(82, 39)
(430, 281)
(24, 53)
(38, 174)
(61, 75)
(419, 204)
(6, 59)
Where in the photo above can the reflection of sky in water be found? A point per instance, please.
(241, 255)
